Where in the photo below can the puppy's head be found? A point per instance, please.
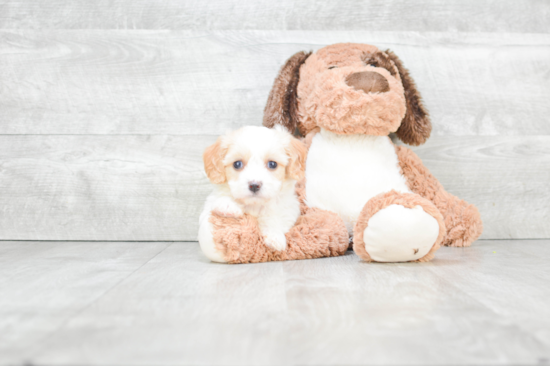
(255, 162)
(348, 89)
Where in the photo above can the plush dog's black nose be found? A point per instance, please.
(368, 81)
(254, 186)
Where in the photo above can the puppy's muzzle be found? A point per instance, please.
(254, 186)
(368, 81)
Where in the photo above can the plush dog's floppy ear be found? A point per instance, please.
(416, 126)
(297, 153)
(213, 162)
(282, 104)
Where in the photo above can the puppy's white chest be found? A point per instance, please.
(344, 171)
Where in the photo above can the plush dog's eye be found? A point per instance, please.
(272, 165)
(238, 164)
(332, 67)
(370, 62)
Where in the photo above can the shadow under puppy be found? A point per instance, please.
(254, 170)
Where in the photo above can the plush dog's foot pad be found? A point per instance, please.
(400, 234)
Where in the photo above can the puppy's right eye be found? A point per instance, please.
(332, 67)
(238, 164)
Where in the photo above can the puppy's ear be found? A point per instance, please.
(281, 107)
(416, 126)
(297, 153)
(213, 162)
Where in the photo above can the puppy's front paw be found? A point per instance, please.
(228, 208)
(275, 240)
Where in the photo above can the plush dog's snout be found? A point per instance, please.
(254, 186)
(368, 81)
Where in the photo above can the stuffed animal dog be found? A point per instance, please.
(254, 170)
(346, 99)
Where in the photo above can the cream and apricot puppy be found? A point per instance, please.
(254, 170)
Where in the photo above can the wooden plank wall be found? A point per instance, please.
(105, 107)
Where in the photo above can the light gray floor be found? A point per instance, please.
(122, 303)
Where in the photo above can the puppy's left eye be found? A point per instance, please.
(272, 165)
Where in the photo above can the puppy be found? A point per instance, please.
(254, 170)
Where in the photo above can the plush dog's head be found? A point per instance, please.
(255, 162)
(348, 89)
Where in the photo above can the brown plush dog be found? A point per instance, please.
(346, 99)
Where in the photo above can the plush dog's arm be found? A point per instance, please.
(316, 234)
(462, 219)
(419, 178)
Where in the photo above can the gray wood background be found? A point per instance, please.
(105, 107)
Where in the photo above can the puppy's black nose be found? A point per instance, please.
(254, 186)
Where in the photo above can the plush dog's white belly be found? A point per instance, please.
(344, 171)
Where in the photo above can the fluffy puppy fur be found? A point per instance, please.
(254, 170)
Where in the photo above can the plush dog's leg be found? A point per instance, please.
(463, 222)
(316, 234)
(462, 219)
(398, 227)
